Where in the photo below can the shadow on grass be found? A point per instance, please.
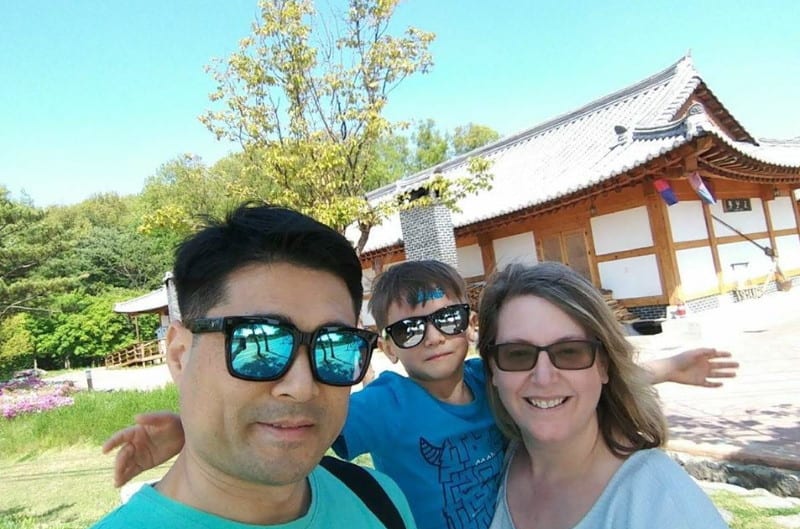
(34, 476)
(26, 513)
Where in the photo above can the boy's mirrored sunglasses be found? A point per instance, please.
(569, 354)
(409, 332)
(263, 349)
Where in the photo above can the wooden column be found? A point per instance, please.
(796, 209)
(768, 194)
(487, 254)
(664, 245)
(712, 240)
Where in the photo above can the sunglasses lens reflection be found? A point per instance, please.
(410, 332)
(263, 351)
(340, 357)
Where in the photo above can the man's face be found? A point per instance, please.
(271, 433)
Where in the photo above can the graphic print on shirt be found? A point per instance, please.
(469, 469)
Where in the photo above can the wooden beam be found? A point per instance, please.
(796, 209)
(766, 194)
(487, 254)
(712, 239)
(662, 241)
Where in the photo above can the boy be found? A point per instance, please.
(431, 431)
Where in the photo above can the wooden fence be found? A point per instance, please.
(138, 354)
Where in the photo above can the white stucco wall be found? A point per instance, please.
(781, 213)
(620, 231)
(696, 270)
(687, 222)
(788, 251)
(743, 252)
(520, 248)
(470, 262)
(631, 278)
(744, 221)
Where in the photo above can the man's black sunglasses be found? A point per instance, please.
(262, 348)
(409, 332)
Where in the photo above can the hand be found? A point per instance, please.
(697, 367)
(155, 438)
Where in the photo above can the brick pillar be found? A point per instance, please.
(173, 311)
(428, 234)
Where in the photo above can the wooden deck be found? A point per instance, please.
(139, 354)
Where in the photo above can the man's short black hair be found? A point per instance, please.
(258, 234)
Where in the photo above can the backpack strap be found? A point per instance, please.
(367, 488)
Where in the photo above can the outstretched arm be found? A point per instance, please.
(696, 367)
(154, 438)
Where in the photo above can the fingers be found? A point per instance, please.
(118, 439)
(711, 384)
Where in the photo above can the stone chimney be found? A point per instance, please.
(428, 234)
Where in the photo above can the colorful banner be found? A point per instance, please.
(700, 188)
(666, 192)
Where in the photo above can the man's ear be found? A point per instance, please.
(179, 347)
(385, 345)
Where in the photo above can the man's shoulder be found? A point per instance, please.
(352, 490)
(140, 510)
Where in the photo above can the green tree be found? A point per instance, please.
(307, 104)
(471, 136)
(431, 145)
(28, 240)
(16, 344)
(181, 191)
(83, 329)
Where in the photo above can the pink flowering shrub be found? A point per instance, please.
(31, 394)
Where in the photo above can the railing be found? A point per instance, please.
(137, 354)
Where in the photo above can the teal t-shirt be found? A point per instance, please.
(333, 505)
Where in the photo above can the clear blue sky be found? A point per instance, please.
(95, 94)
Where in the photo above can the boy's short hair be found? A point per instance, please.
(412, 282)
(258, 234)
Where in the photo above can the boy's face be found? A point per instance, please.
(438, 356)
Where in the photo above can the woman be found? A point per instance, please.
(584, 421)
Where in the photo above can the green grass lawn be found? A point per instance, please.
(53, 476)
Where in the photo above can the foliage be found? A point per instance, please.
(174, 199)
(16, 344)
(120, 257)
(84, 329)
(431, 146)
(27, 241)
(307, 105)
(448, 191)
(472, 136)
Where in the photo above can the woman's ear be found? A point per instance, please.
(602, 365)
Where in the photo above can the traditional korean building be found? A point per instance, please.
(615, 190)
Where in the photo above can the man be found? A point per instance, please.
(257, 419)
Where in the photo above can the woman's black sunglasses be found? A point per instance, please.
(568, 355)
(409, 332)
(263, 349)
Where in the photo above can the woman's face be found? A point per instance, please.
(549, 405)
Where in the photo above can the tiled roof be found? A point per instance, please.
(151, 302)
(577, 150)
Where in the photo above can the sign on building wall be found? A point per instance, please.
(732, 205)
